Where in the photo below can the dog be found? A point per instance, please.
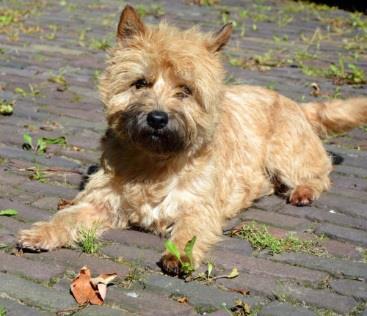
(184, 152)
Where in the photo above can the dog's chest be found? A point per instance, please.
(152, 206)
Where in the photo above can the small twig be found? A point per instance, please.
(72, 310)
(53, 170)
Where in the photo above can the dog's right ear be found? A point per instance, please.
(220, 38)
(130, 24)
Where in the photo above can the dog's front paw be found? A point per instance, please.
(171, 265)
(37, 238)
(302, 195)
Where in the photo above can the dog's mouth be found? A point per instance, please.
(167, 140)
(162, 141)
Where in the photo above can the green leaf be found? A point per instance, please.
(27, 140)
(41, 145)
(234, 273)
(188, 248)
(172, 249)
(2, 311)
(187, 268)
(54, 140)
(210, 269)
(8, 212)
(20, 91)
(44, 141)
(6, 107)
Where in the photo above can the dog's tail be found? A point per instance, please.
(336, 116)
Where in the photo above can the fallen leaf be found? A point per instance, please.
(241, 291)
(182, 299)
(86, 289)
(102, 281)
(315, 89)
(83, 290)
(102, 289)
(104, 278)
(234, 273)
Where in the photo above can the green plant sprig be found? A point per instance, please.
(186, 267)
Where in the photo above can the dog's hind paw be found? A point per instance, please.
(302, 195)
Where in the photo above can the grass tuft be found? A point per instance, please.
(88, 240)
(260, 239)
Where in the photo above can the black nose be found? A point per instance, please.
(157, 119)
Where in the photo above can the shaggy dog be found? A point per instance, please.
(184, 152)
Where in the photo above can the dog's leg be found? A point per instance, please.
(65, 227)
(200, 221)
(297, 159)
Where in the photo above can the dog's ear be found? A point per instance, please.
(130, 24)
(220, 38)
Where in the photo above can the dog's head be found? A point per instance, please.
(162, 86)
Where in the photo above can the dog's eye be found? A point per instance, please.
(184, 93)
(141, 83)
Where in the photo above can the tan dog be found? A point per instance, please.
(184, 151)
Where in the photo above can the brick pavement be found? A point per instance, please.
(51, 53)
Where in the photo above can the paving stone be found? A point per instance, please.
(76, 260)
(335, 217)
(10, 177)
(7, 192)
(34, 294)
(219, 313)
(204, 298)
(12, 224)
(333, 266)
(230, 224)
(341, 249)
(47, 203)
(15, 153)
(320, 298)
(284, 309)
(228, 260)
(43, 189)
(296, 211)
(134, 238)
(95, 310)
(270, 203)
(258, 285)
(356, 289)
(7, 238)
(276, 219)
(342, 204)
(351, 157)
(358, 237)
(347, 182)
(19, 265)
(237, 245)
(353, 194)
(143, 302)
(25, 212)
(349, 170)
(146, 257)
(14, 308)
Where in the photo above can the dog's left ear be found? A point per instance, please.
(130, 24)
(220, 38)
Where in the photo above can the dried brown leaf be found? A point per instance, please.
(83, 289)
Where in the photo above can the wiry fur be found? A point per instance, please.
(224, 146)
